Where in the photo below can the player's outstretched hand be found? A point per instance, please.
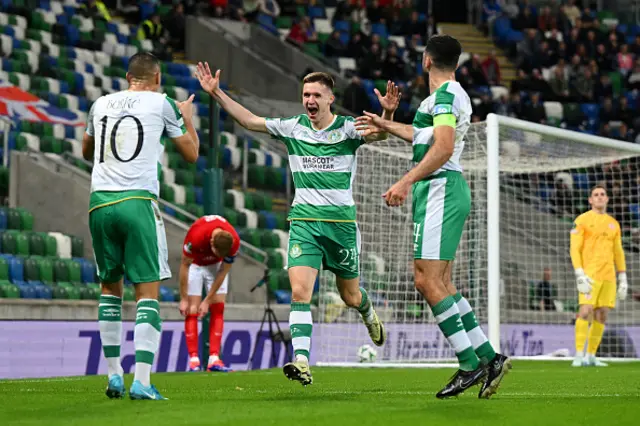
(583, 282)
(209, 82)
(623, 286)
(397, 194)
(366, 127)
(186, 107)
(391, 99)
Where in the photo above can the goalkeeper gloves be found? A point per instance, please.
(583, 282)
(622, 286)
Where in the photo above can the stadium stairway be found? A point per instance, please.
(69, 61)
(474, 42)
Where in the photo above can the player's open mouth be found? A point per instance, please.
(312, 110)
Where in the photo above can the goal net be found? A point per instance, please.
(513, 262)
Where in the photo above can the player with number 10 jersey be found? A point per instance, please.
(124, 139)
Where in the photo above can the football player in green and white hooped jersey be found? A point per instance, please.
(323, 233)
(123, 138)
(441, 204)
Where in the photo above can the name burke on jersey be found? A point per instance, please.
(318, 163)
(124, 103)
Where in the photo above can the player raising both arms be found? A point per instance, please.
(209, 249)
(126, 227)
(322, 148)
(596, 254)
(441, 204)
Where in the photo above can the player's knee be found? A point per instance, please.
(585, 312)
(192, 310)
(300, 294)
(600, 315)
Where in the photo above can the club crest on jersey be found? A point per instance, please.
(187, 247)
(334, 135)
(295, 251)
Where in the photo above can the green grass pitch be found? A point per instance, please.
(534, 393)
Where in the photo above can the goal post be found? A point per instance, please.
(528, 182)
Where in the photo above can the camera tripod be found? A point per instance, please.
(275, 332)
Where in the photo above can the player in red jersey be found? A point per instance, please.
(209, 250)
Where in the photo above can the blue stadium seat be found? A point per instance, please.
(199, 195)
(316, 12)
(591, 111)
(88, 272)
(380, 29)
(342, 26)
(581, 181)
(16, 269)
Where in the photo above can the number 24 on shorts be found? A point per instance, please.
(348, 257)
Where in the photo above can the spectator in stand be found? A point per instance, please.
(635, 47)
(544, 293)
(604, 59)
(584, 86)
(357, 47)
(535, 111)
(95, 10)
(375, 13)
(626, 134)
(252, 8)
(607, 113)
(355, 97)
(393, 67)
(546, 21)
(334, 48)
(490, 12)
(176, 26)
(633, 81)
(562, 21)
(625, 61)
(604, 88)
(152, 29)
(371, 65)
(516, 106)
(484, 108)
(491, 69)
(624, 112)
(525, 20)
(475, 71)
(414, 27)
(298, 33)
(559, 85)
(572, 12)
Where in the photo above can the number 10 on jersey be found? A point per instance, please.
(113, 134)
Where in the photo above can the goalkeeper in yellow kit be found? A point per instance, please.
(596, 254)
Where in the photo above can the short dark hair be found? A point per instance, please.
(319, 77)
(143, 66)
(444, 51)
(594, 187)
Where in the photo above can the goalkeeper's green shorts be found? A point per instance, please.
(441, 204)
(334, 246)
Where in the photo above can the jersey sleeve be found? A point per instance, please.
(576, 241)
(618, 253)
(444, 112)
(90, 130)
(173, 122)
(350, 129)
(189, 240)
(281, 127)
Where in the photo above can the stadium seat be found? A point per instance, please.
(36, 244)
(31, 270)
(8, 290)
(9, 244)
(61, 270)
(22, 244)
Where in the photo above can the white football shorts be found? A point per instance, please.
(200, 276)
